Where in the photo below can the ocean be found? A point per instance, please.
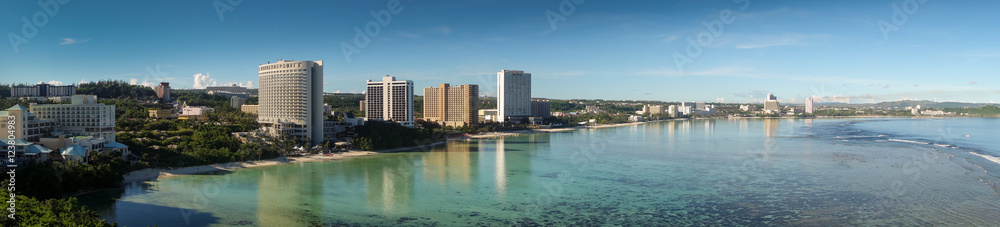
(688, 172)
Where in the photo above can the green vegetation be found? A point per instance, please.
(346, 103)
(379, 135)
(4, 90)
(116, 89)
(861, 112)
(201, 99)
(478, 128)
(49, 212)
(53, 179)
(986, 111)
(43, 188)
(602, 118)
(487, 103)
(9, 102)
(418, 106)
(565, 106)
(131, 108)
(178, 143)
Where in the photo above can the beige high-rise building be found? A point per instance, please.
(771, 105)
(27, 126)
(452, 106)
(291, 99)
(163, 91)
(249, 108)
(390, 100)
(83, 116)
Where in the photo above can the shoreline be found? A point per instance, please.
(157, 173)
(489, 135)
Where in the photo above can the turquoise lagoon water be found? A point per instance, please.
(699, 172)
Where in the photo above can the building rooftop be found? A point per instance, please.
(17, 142)
(115, 145)
(74, 150)
(37, 149)
(17, 107)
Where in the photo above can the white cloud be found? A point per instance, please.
(68, 41)
(147, 83)
(83, 81)
(55, 82)
(249, 84)
(203, 80)
(720, 99)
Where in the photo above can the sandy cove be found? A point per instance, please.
(152, 174)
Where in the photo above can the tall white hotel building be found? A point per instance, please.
(809, 105)
(513, 94)
(390, 100)
(291, 99)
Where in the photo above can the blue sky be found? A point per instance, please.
(830, 50)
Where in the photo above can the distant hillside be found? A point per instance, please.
(907, 103)
(926, 104)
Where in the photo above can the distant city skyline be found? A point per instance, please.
(842, 51)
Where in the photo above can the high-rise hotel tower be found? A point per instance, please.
(452, 106)
(513, 95)
(291, 99)
(390, 100)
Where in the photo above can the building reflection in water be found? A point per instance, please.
(290, 201)
(389, 183)
(452, 165)
(709, 129)
(512, 160)
(771, 127)
(500, 173)
(671, 133)
(770, 132)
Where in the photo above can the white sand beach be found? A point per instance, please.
(151, 173)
